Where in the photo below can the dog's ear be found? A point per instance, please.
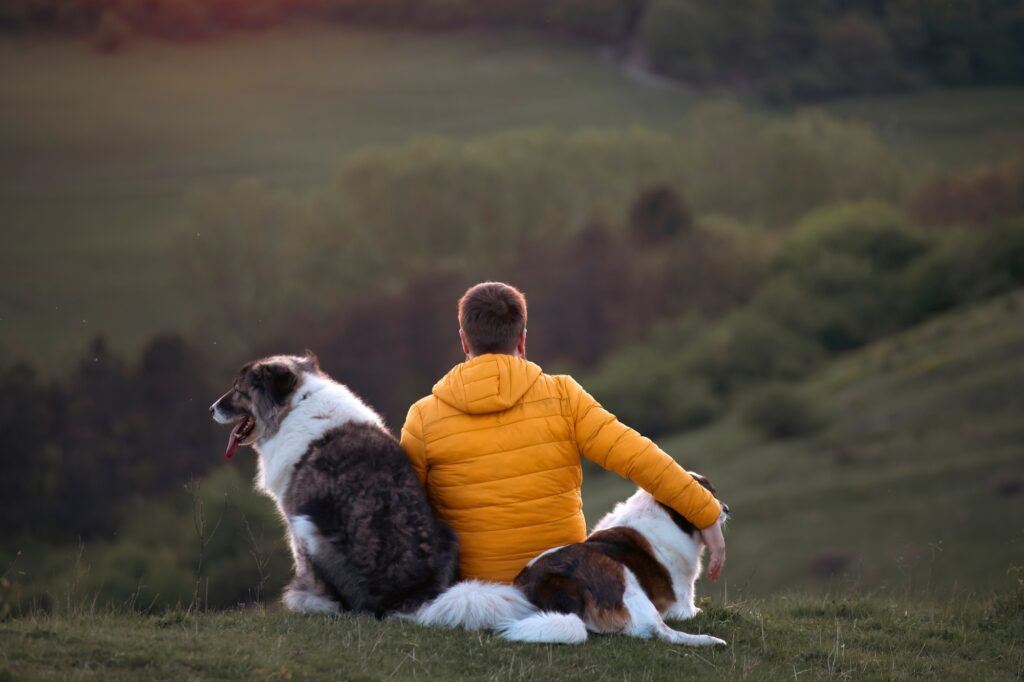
(312, 359)
(703, 481)
(279, 381)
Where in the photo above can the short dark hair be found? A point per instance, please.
(492, 316)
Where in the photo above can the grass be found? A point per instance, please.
(98, 152)
(916, 482)
(788, 636)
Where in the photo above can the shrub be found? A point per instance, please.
(648, 388)
(780, 412)
(874, 233)
(748, 347)
(965, 267)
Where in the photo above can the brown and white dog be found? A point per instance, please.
(636, 568)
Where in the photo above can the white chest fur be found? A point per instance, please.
(317, 406)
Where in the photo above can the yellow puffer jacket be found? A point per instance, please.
(497, 447)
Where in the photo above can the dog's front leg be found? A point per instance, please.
(305, 593)
(684, 607)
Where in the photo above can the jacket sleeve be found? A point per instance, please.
(412, 443)
(602, 438)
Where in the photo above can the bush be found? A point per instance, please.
(965, 267)
(870, 232)
(842, 266)
(780, 412)
(648, 387)
(748, 347)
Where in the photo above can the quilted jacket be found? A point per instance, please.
(497, 447)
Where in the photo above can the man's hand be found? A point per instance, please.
(715, 541)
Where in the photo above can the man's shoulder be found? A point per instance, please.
(423, 404)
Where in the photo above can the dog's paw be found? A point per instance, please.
(683, 612)
(301, 601)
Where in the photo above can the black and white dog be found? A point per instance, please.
(636, 568)
(360, 528)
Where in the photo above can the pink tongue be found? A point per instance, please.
(232, 442)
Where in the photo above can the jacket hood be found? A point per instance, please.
(487, 383)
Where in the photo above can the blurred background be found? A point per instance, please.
(785, 239)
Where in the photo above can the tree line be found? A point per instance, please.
(780, 49)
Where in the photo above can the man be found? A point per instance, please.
(497, 447)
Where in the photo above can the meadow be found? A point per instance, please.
(787, 636)
(100, 154)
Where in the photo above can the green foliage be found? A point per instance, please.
(773, 171)
(480, 201)
(646, 385)
(782, 49)
(846, 261)
(779, 412)
(965, 267)
(792, 51)
(213, 544)
(845, 277)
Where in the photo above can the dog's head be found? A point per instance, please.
(260, 397)
(681, 521)
(711, 489)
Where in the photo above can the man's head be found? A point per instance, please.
(492, 319)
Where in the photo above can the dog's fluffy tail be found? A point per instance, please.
(478, 605)
(475, 605)
(546, 627)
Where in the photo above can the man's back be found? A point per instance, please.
(497, 446)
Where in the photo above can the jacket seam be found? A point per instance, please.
(519, 528)
(510, 504)
(463, 486)
(480, 456)
(490, 427)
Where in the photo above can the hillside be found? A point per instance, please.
(916, 482)
(101, 153)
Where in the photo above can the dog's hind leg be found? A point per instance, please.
(645, 621)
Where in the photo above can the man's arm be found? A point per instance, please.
(412, 443)
(601, 437)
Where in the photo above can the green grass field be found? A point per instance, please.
(782, 638)
(97, 152)
(916, 483)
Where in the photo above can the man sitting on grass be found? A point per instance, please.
(497, 447)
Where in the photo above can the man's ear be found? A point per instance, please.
(465, 345)
(279, 381)
(521, 346)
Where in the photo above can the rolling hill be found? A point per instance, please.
(915, 483)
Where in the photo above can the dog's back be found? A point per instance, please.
(379, 548)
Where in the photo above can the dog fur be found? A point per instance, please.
(361, 532)
(636, 568)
